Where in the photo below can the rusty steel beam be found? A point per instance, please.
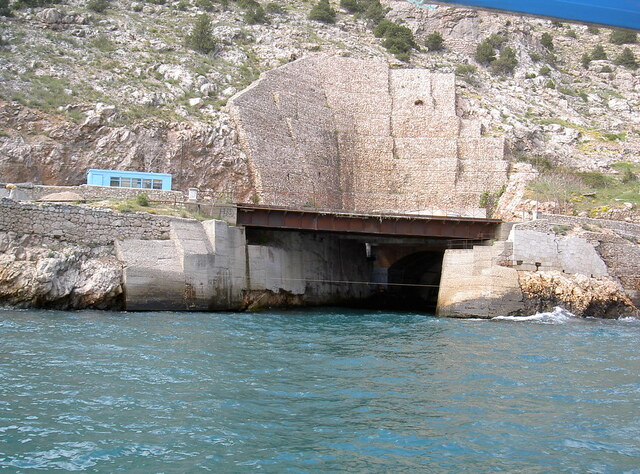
(404, 225)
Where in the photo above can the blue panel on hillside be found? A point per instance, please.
(620, 13)
(129, 179)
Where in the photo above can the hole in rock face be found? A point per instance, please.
(418, 102)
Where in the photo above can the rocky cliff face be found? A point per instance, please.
(46, 273)
(119, 89)
(42, 148)
(580, 294)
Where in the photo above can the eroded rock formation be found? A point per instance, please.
(47, 273)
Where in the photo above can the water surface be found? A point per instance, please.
(320, 390)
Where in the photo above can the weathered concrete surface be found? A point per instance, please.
(314, 267)
(547, 251)
(473, 283)
(551, 262)
(153, 276)
(341, 133)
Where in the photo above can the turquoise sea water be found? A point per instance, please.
(316, 391)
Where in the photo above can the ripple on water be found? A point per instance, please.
(319, 390)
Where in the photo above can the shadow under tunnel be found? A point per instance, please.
(412, 283)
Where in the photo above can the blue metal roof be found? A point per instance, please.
(617, 13)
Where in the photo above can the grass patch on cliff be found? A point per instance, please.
(145, 205)
(593, 192)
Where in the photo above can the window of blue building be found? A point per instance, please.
(129, 179)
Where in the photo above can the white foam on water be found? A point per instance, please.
(557, 316)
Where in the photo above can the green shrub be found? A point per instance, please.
(5, 10)
(595, 179)
(201, 39)
(530, 75)
(594, 30)
(623, 37)
(206, 5)
(628, 176)
(585, 60)
(274, 8)
(353, 6)
(485, 53)
(614, 137)
(544, 71)
(541, 163)
(550, 84)
(546, 40)
(142, 199)
(375, 12)
(535, 57)
(571, 34)
(253, 12)
(496, 40)
(627, 59)
(182, 5)
(506, 63)
(34, 3)
(398, 39)
(435, 41)
(323, 12)
(102, 43)
(465, 70)
(598, 53)
(98, 6)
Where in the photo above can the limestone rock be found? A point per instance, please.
(582, 295)
(35, 273)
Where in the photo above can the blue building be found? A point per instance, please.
(129, 179)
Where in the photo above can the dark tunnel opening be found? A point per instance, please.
(412, 283)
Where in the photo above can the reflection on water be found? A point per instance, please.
(319, 390)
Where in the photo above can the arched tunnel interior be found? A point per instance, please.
(412, 282)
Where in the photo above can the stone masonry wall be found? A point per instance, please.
(88, 192)
(80, 224)
(333, 132)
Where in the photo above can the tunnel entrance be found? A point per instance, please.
(410, 283)
(414, 281)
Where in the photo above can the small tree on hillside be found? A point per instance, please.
(546, 40)
(598, 53)
(435, 41)
(627, 59)
(375, 12)
(506, 63)
(485, 53)
(253, 12)
(322, 11)
(623, 37)
(201, 39)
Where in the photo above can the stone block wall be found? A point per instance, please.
(80, 224)
(36, 192)
(355, 135)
